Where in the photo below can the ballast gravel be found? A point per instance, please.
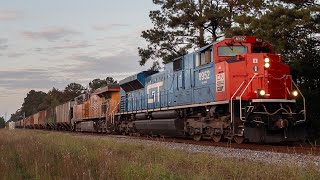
(300, 160)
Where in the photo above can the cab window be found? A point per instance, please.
(261, 50)
(177, 64)
(232, 50)
(203, 57)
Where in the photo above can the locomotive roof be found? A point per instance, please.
(111, 87)
(201, 49)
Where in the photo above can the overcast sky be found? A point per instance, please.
(46, 43)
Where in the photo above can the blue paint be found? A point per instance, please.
(188, 85)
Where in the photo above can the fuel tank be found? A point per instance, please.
(163, 127)
(141, 116)
(165, 114)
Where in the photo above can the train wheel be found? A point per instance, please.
(216, 138)
(238, 139)
(197, 137)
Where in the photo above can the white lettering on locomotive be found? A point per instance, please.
(157, 85)
(220, 82)
(204, 75)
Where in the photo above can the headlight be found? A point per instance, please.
(262, 92)
(267, 65)
(295, 93)
(266, 60)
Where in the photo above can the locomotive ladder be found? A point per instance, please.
(114, 112)
(245, 89)
(231, 103)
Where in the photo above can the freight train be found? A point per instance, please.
(235, 89)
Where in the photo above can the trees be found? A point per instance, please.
(293, 30)
(98, 83)
(184, 24)
(17, 115)
(2, 122)
(32, 102)
(72, 90)
(53, 98)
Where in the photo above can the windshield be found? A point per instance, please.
(232, 50)
(261, 50)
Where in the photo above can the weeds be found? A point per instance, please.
(27, 154)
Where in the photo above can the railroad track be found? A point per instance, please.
(302, 148)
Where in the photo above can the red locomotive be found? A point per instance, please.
(261, 92)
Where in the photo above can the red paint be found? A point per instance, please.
(243, 67)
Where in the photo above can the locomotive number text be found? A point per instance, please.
(204, 75)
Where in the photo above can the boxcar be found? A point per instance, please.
(64, 114)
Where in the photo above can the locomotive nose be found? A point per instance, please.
(276, 81)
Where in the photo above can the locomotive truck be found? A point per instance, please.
(235, 89)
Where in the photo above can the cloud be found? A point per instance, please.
(3, 44)
(30, 79)
(73, 45)
(15, 55)
(119, 66)
(10, 14)
(109, 27)
(50, 33)
(81, 67)
(21, 74)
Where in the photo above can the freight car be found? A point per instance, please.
(19, 124)
(90, 112)
(236, 88)
(63, 113)
(52, 118)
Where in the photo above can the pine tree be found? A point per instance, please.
(183, 24)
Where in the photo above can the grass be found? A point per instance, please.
(27, 154)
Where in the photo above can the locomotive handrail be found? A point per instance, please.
(245, 89)
(304, 103)
(231, 103)
(113, 112)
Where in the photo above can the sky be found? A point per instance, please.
(45, 44)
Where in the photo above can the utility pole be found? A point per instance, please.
(5, 117)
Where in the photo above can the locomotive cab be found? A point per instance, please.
(260, 89)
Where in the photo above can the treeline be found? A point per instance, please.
(2, 122)
(36, 101)
(292, 27)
